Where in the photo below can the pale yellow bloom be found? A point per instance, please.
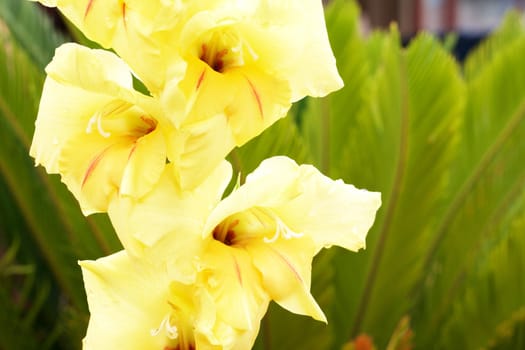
(264, 235)
(127, 26)
(134, 305)
(290, 36)
(102, 136)
(246, 62)
(225, 70)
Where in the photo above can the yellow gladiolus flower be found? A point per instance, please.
(136, 306)
(245, 64)
(288, 37)
(264, 235)
(225, 70)
(95, 130)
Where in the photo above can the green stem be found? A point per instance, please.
(392, 203)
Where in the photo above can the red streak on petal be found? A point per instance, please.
(289, 264)
(94, 163)
(132, 150)
(124, 15)
(88, 8)
(237, 270)
(257, 97)
(201, 78)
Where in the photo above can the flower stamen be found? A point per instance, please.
(171, 330)
(224, 49)
(282, 230)
(224, 232)
(96, 119)
(112, 108)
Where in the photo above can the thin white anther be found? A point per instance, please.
(96, 118)
(155, 331)
(274, 238)
(100, 130)
(171, 331)
(251, 51)
(282, 229)
(92, 121)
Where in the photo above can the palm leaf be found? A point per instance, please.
(324, 125)
(486, 195)
(394, 129)
(448, 172)
(510, 29)
(44, 216)
(491, 300)
(32, 32)
(14, 301)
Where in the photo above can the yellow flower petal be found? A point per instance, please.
(128, 27)
(92, 167)
(235, 284)
(295, 45)
(197, 149)
(164, 226)
(95, 131)
(259, 95)
(125, 304)
(137, 178)
(103, 72)
(286, 269)
(135, 305)
(330, 212)
(264, 187)
(166, 205)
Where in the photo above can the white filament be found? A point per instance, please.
(98, 120)
(171, 330)
(112, 108)
(282, 230)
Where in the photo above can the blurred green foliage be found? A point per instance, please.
(443, 142)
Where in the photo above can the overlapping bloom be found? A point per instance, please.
(264, 235)
(136, 306)
(225, 70)
(102, 136)
(127, 26)
(198, 270)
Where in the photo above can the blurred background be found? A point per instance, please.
(470, 20)
(471, 17)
